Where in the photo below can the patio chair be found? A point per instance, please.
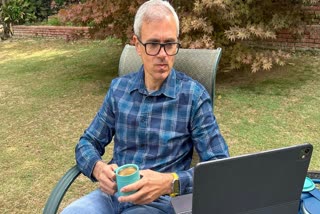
(200, 64)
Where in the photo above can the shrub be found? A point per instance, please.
(21, 12)
(107, 18)
(205, 24)
(41, 8)
(56, 5)
(17, 12)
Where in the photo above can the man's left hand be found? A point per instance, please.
(149, 188)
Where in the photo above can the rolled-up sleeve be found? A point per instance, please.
(96, 137)
(206, 137)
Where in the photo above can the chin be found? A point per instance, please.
(161, 75)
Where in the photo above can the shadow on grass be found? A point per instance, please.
(68, 69)
(277, 82)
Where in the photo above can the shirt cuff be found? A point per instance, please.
(186, 181)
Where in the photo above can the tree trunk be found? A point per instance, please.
(7, 26)
(4, 2)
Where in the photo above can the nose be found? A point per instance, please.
(162, 52)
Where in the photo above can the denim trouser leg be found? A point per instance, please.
(98, 202)
(95, 202)
(160, 206)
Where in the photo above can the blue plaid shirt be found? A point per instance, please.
(156, 131)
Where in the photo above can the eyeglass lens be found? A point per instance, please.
(169, 48)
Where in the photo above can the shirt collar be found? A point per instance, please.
(168, 87)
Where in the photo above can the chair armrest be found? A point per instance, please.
(60, 189)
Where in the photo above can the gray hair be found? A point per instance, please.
(153, 10)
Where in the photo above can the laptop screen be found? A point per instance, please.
(260, 183)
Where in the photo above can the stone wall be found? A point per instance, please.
(310, 34)
(308, 40)
(65, 32)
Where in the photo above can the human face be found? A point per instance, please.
(156, 68)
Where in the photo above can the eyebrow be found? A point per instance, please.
(165, 41)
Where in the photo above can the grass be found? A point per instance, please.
(50, 90)
(49, 93)
(271, 109)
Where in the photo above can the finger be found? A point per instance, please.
(110, 184)
(133, 187)
(114, 166)
(130, 198)
(108, 187)
(143, 172)
(110, 171)
(107, 183)
(144, 200)
(136, 198)
(141, 199)
(108, 190)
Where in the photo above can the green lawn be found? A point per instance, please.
(271, 109)
(50, 90)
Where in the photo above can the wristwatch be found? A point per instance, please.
(175, 185)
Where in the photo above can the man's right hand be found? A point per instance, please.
(106, 177)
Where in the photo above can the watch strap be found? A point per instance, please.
(175, 182)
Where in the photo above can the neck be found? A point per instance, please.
(151, 83)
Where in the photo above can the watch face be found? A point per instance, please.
(176, 186)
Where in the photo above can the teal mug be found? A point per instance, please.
(125, 175)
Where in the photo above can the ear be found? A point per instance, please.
(136, 44)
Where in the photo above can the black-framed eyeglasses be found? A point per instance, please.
(153, 48)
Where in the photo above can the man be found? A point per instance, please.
(156, 116)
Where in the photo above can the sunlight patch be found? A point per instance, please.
(39, 54)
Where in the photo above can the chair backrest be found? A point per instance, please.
(200, 64)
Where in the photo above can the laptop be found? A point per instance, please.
(268, 182)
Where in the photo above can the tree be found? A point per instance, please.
(21, 12)
(229, 24)
(107, 18)
(15, 12)
(6, 27)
